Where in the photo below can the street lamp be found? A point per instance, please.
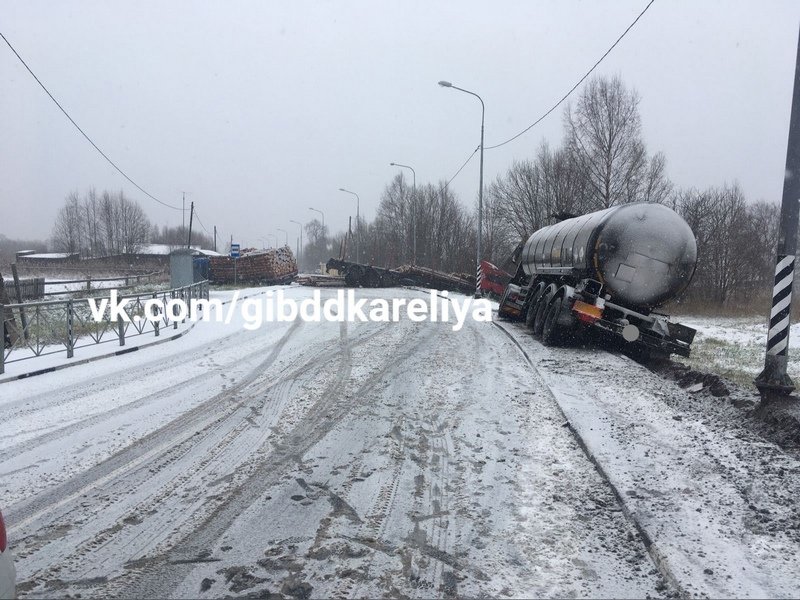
(323, 220)
(447, 84)
(413, 210)
(358, 221)
(285, 233)
(300, 246)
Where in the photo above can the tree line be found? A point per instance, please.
(107, 224)
(602, 162)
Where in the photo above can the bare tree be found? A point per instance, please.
(134, 226)
(68, 230)
(656, 186)
(111, 224)
(735, 242)
(445, 229)
(604, 140)
(766, 217)
(178, 236)
(316, 249)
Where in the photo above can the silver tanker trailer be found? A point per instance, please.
(607, 270)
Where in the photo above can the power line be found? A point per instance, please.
(461, 168)
(574, 87)
(196, 216)
(83, 133)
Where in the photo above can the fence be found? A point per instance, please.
(49, 327)
(86, 284)
(32, 288)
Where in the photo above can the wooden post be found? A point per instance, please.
(7, 316)
(23, 319)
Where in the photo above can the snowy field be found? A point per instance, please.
(735, 347)
(386, 460)
(55, 286)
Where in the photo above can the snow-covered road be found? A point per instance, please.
(353, 460)
(309, 459)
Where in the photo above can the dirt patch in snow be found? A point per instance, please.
(777, 420)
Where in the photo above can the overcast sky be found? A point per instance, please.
(260, 110)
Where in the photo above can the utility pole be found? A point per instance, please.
(413, 211)
(358, 221)
(300, 245)
(447, 84)
(191, 216)
(215, 238)
(773, 380)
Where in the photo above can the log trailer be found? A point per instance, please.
(360, 275)
(606, 271)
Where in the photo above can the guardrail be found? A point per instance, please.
(35, 329)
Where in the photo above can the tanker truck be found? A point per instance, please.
(606, 271)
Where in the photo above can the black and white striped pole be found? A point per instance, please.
(774, 380)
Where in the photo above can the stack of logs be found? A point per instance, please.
(276, 265)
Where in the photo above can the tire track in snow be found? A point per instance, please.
(164, 367)
(162, 574)
(148, 468)
(656, 555)
(125, 378)
(142, 450)
(118, 485)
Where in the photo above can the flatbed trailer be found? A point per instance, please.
(361, 275)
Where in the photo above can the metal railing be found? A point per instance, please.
(35, 329)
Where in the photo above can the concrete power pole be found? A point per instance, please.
(773, 380)
(191, 216)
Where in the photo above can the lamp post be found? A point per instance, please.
(447, 84)
(300, 246)
(323, 219)
(285, 233)
(358, 222)
(323, 223)
(413, 211)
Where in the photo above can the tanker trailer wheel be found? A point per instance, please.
(536, 295)
(552, 332)
(541, 310)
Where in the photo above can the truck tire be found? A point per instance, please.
(552, 330)
(541, 310)
(530, 314)
(372, 278)
(352, 277)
